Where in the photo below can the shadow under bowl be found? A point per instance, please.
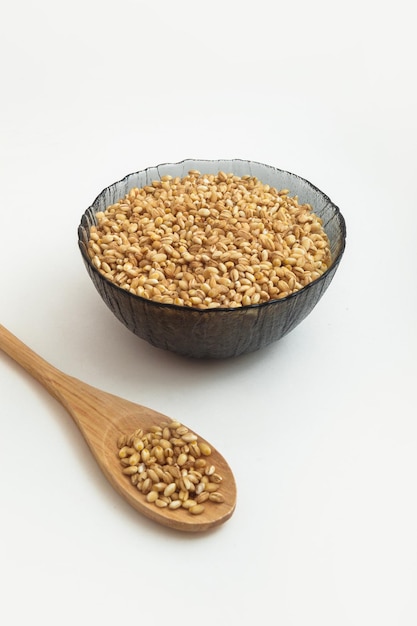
(215, 333)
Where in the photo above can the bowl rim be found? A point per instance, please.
(91, 210)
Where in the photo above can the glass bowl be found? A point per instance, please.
(215, 333)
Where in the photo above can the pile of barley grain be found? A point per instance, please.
(209, 241)
(170, 467)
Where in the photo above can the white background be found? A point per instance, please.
(320, 428)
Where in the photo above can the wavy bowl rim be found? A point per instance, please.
(178, 307)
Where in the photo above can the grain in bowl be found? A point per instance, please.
(209, 241)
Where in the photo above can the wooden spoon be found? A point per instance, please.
(102, 418)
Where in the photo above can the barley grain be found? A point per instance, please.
(182, 459)
(203, 496)
(188, 503)
(152, 496)
(175, 504)
(216, 496)
(121, 442)
(170, 489)
(197, 509)
(146, 485)
(131, 469)
(210, 487)
(205, 448)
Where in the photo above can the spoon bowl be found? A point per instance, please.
(102, 418)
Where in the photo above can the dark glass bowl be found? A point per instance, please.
(215, 333)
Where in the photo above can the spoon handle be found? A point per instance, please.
(86, 404)
(58, 384)
(29, 360)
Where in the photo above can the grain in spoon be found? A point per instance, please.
(103, 419)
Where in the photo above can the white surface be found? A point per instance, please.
(320, 428)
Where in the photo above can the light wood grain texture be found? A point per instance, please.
(102, 418)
